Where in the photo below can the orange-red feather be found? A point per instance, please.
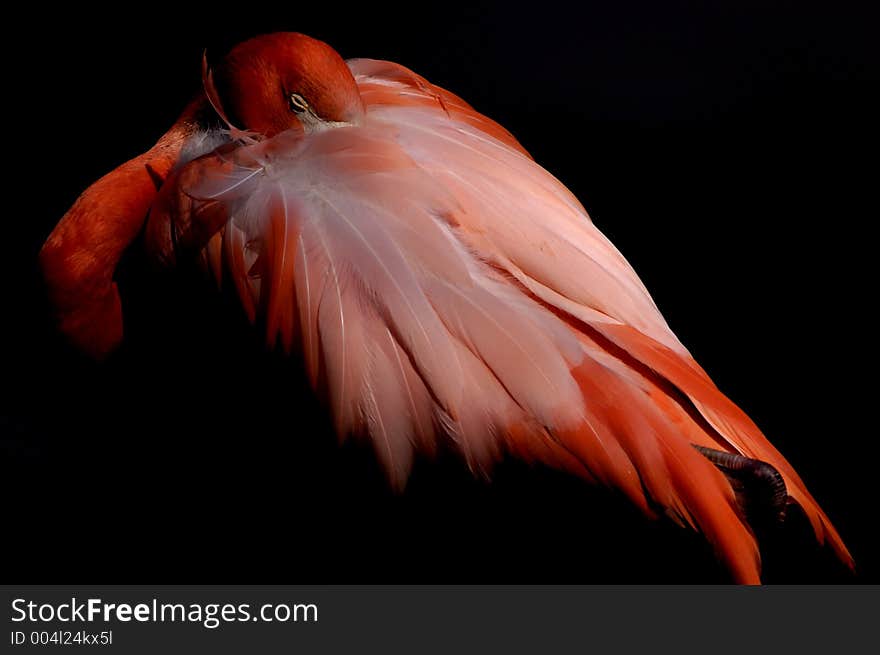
(439, 284)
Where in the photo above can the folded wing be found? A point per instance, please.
(441, 285)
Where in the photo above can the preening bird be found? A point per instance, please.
(437, 283)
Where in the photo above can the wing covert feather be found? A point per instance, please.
(441, 285)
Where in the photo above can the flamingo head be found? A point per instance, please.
(277, 82)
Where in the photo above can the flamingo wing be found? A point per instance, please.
(441, 285)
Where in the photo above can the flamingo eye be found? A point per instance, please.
(298, 104)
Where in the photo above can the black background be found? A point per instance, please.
(729, 152)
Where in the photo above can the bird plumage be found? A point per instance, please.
(440, 285)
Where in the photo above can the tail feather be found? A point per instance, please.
(730, 427)
(672, 477)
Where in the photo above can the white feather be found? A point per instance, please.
(404, 231)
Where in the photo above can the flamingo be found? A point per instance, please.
(438, 285)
